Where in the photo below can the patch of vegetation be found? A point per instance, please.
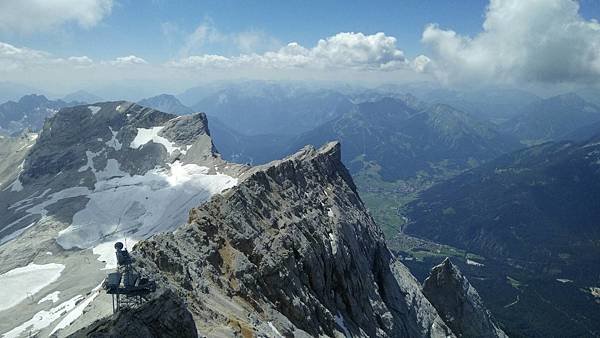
(386, 200)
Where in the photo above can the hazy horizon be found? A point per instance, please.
(141, 50)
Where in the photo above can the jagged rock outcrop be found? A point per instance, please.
(163, 317)
(95, 175)
(459, 303)
(290, 251)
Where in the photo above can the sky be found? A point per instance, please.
(65, 45)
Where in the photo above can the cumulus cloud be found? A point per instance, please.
(129, 60)
(537, 41)
(29, 16)
(81, 60)
(14, 58)
(342, 57)
(342, 51)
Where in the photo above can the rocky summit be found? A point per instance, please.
(459, 303)
(289, 252)
(94, 175)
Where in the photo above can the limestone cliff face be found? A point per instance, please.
(290, 251)
(459, 303)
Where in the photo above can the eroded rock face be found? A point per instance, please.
(290, 251)
(459, 303)
(166, 316)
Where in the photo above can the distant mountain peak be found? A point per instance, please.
(167, 103)
(82, 96)
(458, 303)
(33, 99)
(552, 118)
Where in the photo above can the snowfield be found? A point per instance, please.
(146, 135)
(18, 284)
(42, 319)
(121, 205)
(52, 297)
(137, 206)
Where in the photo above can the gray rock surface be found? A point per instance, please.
(290, 251)
(163, 317)
(13, 151)
(282, 249)
(459, 303)
(84, 183)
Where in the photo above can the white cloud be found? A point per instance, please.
(208, 37)
(128, 61)
(81, 60)
(342, 57)
(342, 51)
(29, 16)
(534, 41)
(253, 41)
(13, 58)
(203, 35)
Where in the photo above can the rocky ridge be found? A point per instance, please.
(290, 251)
(96, 174)
(283, 249)
(459, 303)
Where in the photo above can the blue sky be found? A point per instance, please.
(136, 27)
(518, 43)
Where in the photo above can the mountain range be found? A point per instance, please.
(552, 119)
(437, 181)
(287, 248)
(404, 142)
(29, 112)
(532, 214)
(258, 109)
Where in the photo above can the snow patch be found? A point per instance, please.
(90, 161)
(113, 142)
(53, 297)
(145, 135)
(94, 109)
(16, 186)
(42, 319)
(339, 320)
(77, 311)
(140, 205)
(474, 263)
(112, 170)
(20, 283)
(16, 233)
(333, 243)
